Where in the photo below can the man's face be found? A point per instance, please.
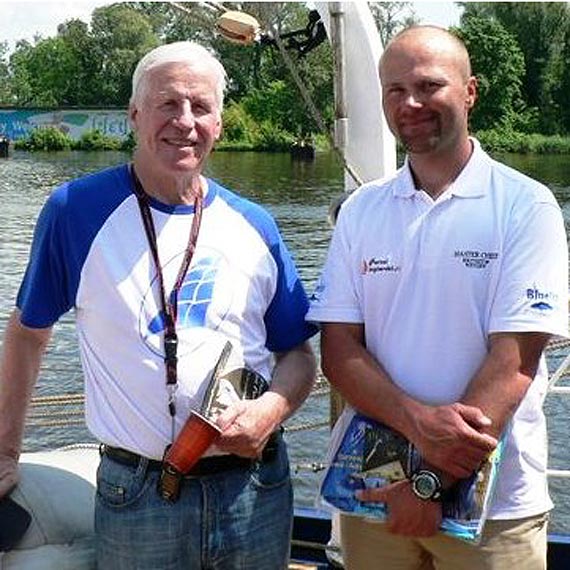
(427, 95)
(177, 119)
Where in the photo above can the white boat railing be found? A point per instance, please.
(561, 372)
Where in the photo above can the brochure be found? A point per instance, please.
(371, 454)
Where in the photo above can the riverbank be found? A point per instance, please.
(269, 139)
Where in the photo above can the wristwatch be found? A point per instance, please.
(426, 485)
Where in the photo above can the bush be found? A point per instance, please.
(96, 140)
(238, 124)
(270, 137)
(45, 138)
(506, 140)
(129, 143)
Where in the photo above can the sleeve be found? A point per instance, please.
(44, 295)
(336, 297)
(532, 289)
(284, 319)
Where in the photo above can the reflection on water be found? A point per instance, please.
(298, 194)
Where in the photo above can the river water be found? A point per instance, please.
(298, 194)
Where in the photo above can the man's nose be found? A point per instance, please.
(184, 118)
(413, 99)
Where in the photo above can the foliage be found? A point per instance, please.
(238, 125)
(121, 37)
(506, 140)
(541, 31)
(5, 89)
(129, 143)
(45, 138)
(96, 140)
(520, 53)
(498, 64)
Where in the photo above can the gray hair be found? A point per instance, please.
(195, 56)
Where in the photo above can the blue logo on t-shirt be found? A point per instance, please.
(194, 297)
(541, 306)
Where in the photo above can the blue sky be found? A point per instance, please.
(22, 19)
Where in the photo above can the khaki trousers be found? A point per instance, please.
(506, 545)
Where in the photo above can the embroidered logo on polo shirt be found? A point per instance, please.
(378, 265)
(542, 299)
(476, 259)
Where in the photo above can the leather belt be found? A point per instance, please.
(206, 465)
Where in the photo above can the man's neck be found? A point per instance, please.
(172, 190)
(434, 174)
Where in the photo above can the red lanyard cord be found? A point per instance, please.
(169, 306)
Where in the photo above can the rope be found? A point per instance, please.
(315, 113)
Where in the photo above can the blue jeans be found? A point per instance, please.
(235, 520)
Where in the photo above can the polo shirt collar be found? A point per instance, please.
(471, 182)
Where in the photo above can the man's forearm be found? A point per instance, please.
(504, 377)
(293, 378)
(360, 379)
(22, 352)
(439, 432)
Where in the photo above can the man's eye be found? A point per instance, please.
(200, 108)
(431, 86)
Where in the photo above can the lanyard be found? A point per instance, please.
(169, 305)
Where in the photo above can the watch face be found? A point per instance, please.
(426, 485)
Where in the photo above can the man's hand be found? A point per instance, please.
(451, 439)
(9, 474)
(246, 426)
(407, 514)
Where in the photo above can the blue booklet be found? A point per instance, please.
(371, 454)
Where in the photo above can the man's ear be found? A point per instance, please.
(471, 94)
(133, 112)
(219, 129)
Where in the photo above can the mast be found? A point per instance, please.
(361, 131)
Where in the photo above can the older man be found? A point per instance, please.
(163, 267)
(442, 287)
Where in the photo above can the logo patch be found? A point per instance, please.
(476, 259)
(542, 299)
(194, 302)
(378, 265)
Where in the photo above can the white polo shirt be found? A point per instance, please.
(432, 279)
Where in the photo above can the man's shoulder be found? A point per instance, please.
(255, 214)
(90, 199)
(371, 193)
(519, 185)
(99, 183)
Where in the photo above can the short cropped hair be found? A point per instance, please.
(195, 56)
(429, 29)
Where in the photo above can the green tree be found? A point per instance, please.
(42, 72)
(498, 64)
(541, 32)
(82, 83)
(560, 92)
(5, 80)
(121, 36)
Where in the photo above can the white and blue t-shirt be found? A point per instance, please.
(90, 253)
